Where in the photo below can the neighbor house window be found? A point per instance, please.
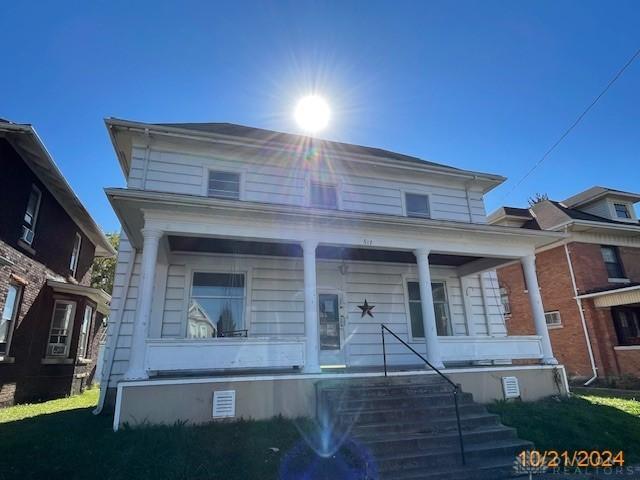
(627, 324)
(75, 254)
(323, 195)
(61, 329)
(622, 210)
(417, 205)
(504, 299)
(440, 306)
(612, 261)
(85, 329)
(553, 319)
(224, 185)
(31, 215)
(9, 316)
(216, 305)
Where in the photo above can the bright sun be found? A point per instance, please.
(312, 113)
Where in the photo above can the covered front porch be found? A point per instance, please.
(227, 289)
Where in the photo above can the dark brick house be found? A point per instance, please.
(590, 282)
(51, 319)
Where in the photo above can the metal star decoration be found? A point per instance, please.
(366, 309)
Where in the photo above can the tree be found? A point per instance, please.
(104, 268)
(537, 198)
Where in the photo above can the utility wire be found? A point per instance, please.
(575, 123)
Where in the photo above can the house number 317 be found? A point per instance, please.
(367, 242)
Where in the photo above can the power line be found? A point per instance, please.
(575, 123)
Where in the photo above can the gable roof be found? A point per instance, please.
(597, 192)
(27, 143)
(260, 136)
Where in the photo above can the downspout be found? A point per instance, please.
(582, 319)
(113, 340)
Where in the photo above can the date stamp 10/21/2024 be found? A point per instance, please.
(539, 461)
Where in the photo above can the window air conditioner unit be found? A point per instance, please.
(27, 235)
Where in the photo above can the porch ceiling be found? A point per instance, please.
(244, 247)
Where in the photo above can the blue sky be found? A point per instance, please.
(486, 86)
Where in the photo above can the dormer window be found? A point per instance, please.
(323, 195)
(622, 210)
(224, 185)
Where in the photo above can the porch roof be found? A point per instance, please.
(611, 298)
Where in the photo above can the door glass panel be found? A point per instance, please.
(329, 318)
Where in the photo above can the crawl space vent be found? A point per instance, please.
(510, 387)
(224, 404)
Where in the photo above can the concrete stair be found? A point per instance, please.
(409, 426)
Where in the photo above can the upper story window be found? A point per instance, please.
(417, 205)
(31, 215)
(75, 254)
(216, 305)
(9, 316)
(323, 195)
(61, 329)
(553, 319)
(224, 185)
(612, 261)
(622, 210)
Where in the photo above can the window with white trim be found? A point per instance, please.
(9, 316)
(504, 299)
(85, 330)
(224, 185)
(440, 306)
(323, 195)
(216, 305)
(31, 215)
(553, 319)
(75, 254)
(61, 329)
(622, 210)
(417, 205)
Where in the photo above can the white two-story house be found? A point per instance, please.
(259, 262)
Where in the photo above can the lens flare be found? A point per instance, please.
(312, 113)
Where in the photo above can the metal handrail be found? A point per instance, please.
(455, 391)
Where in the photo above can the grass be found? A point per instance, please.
(62, 439)
(578, 423)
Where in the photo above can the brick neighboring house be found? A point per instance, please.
(51, 319)
(590, 282)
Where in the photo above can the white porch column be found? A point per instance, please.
(312, 336)
(529, 268)
(136, 368)
(428, 313)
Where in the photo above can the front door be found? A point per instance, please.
(331, 329)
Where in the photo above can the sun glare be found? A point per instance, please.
(312, 113)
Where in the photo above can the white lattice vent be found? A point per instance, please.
(224, 404)
(510, 387)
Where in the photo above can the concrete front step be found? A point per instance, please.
(374, 391)
(401, 402)
(440, 424)
(450, 456)
(500, 468)
(420, 442)
(423, 414)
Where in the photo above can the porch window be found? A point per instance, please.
(224, 185)
(85, 328)
(61, 328)
(440, 306)
(622, 211)
(553, 319)
(417, 205)
(612, 261)
(9, 316)
(627, 325)
(216, 305)
(324, 195)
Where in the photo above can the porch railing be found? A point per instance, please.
(455, 391)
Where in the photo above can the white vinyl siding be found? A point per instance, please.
(267, 179)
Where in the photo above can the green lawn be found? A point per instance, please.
(578, 423)
(61, 439)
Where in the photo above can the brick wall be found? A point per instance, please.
(629, 362)
(568, 341)
(630, 262)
